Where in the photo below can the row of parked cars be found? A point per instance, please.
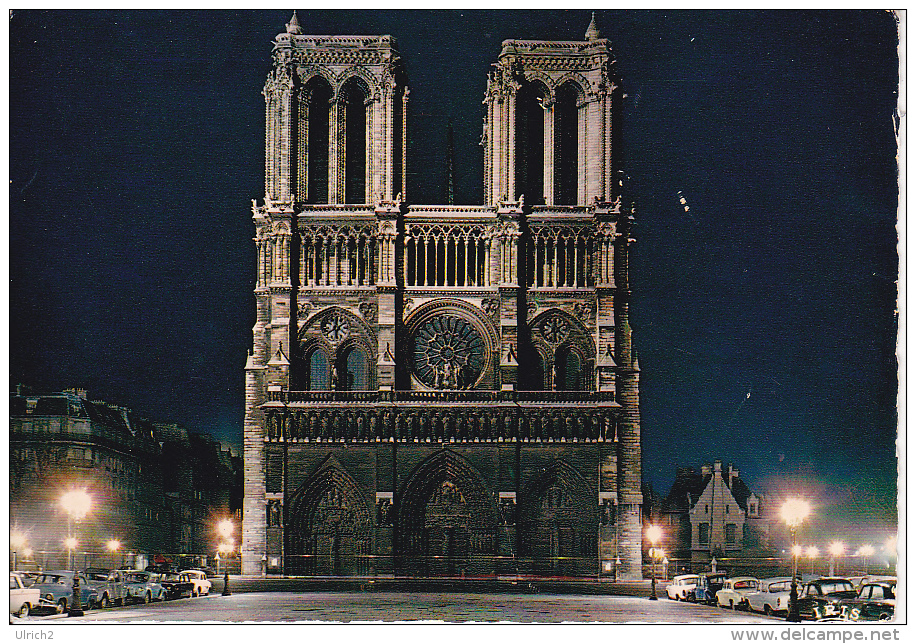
(52, 591)
(826, 598)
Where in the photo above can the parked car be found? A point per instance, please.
(771, 596)
(27, 576)
(109, 585)
(176, 585)
(875, 602)
(143, 587)
(57, 588)
(22, 598)
(733, 593)
(200, 581)
(708, 584)
(821, 598)
(681, 587)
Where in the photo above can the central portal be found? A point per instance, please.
(447, 540)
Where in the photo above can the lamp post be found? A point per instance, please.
(17, 541)
(76, 503)
(654, 533)
(812, 552)
(225, 529)
(866, 551)
(891, 547)
(836, 550)
(793, 512)
(71, 544)
(113, 545)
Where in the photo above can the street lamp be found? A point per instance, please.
(71, 545)
(17, 541)
(793, 512)
(113, 545)
(837, 548)
(654, 533)
(812, 552)
(76, 503)
(866, 551)
(225, 528)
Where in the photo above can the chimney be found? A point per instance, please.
(732, 474)
(705, 471)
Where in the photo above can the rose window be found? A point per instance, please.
(336, 328)
(555, 329)
(448, 353)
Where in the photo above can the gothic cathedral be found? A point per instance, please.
(441, 390)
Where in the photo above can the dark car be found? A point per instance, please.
(708, 584)
(875, 602)
(821, 598)
(176, 585)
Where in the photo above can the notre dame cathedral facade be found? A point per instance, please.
(441, 390)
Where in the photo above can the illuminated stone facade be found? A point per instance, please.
(441, 390)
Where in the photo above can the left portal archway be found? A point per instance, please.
(329, 526)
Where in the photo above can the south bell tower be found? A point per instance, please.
(440, 390)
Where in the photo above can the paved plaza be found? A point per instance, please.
(293, 605)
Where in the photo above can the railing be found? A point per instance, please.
(470, 396)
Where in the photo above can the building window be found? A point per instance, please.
(529, 143)
(707, 509)
(355, 372)
(318, 95)
(752, 507)
(567, 145)
(319, 376)
(703, 534)
(731, 533)
(568, 370)
(355, 143)
(727, 508)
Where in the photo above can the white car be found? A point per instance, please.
(22, 598)
(771, 596)
(681, 587)
(200, 581)
(734, 592)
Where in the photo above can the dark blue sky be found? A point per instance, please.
(136, 146)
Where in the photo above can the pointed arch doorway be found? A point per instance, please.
(447, 521)
(329, 526)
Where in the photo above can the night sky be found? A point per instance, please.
(136, 146)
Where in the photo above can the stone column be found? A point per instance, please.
(335, 145)
(549, 151)
(510, 108)
(404, 97)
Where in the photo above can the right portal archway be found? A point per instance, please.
(558, 523)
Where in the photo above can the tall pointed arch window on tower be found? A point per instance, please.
(316, 131)
(319, 370)
(569, 369)
(354, 95)
(354, 370)
(529, 169)
(567, 145)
